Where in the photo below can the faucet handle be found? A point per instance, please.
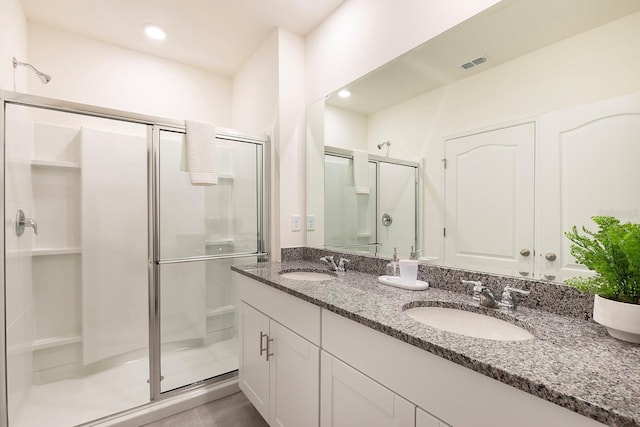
(507, 297)
(342, 265)
(508, 289)
(477, 287)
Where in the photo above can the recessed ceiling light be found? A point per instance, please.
(155, 32)
(344, 93)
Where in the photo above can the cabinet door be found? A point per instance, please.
(295, 379)
(425, 419)
(254, 367)
(351, 399)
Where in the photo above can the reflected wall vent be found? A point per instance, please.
(474, 62)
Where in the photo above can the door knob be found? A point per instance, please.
(386, 220)
(525, 252)
(550, 256)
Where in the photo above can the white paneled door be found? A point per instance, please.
(489, 200)
(586, 165)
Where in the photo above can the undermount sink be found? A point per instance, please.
(309, 276)
(468, 323)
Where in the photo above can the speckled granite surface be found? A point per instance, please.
(571, 362)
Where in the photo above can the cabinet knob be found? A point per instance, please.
(549, 276)
(524, 273)
(525, 252)
(550, 256)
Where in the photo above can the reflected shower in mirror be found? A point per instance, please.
(371, 217)
(565, 83)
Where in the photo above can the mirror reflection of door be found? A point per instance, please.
(350, 218)
(397, 197)
(586, 166)
(489, 200)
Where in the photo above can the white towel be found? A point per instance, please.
(201, 149)
(361, 172)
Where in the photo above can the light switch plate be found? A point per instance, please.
(295, 222)
(311, 222)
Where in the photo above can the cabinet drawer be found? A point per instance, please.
(300, 316)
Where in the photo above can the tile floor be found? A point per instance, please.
(231, 411)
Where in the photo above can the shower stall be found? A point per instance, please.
(374, 223)
(118, 292)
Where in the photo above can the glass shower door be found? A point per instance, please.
(76, 277)
(203, 231)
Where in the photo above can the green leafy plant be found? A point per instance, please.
(613, 252)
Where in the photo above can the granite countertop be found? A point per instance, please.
(570, 362)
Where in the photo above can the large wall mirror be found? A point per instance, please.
(524, 121)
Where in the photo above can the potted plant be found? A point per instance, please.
(613, 253)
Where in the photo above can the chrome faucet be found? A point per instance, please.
(507, 297)
(340, 267)
(330, 262)
(485, 297)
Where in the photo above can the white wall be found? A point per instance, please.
(597, 64)
(13, 43)
(268, 93)
(362, 35)
(255, 109)
(291, 134)
(88, 71)
(345, 129)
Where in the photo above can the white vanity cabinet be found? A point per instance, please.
(349, 398)
(279, 366)
(453, 395)
(424, 419)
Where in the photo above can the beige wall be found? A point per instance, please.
(89, 71)
(13, 43)
(598, 64)
(361, 35)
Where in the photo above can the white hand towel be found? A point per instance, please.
(201, 149)
(361, 172)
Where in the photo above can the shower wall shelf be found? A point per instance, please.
(56, 251)
(55, 164)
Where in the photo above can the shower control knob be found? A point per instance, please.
(525, 252)
(550, 256)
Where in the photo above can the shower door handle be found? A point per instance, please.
(22, 222)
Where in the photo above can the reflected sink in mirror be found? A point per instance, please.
(468, 323)
(308, 275)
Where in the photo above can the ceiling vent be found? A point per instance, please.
(474, 62)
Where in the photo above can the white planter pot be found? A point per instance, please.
(622, 320)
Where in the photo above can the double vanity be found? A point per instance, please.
(334, 349)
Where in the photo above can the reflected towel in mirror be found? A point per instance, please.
(361, 172)
(201, 148)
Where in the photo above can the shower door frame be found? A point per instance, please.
(154, 125)
(348, 154)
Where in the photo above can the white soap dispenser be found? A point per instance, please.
(392, 267)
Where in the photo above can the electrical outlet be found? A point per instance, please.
(295, 222)
(311, 222)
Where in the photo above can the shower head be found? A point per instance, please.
(382, 144)
(44, 78)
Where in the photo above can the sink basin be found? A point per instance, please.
(310, 276)
(468, 323)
